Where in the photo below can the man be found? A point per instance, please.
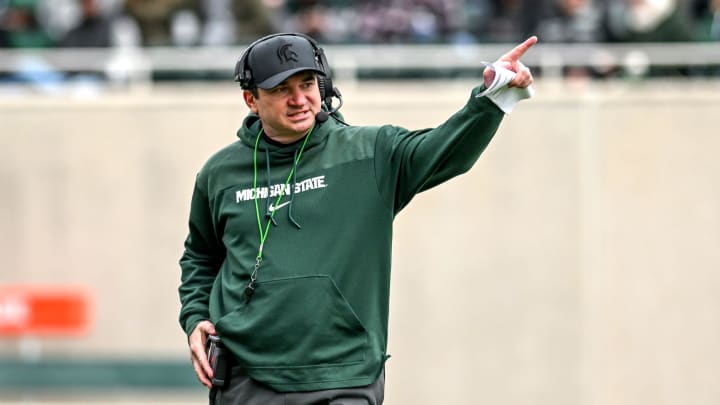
(288, 255)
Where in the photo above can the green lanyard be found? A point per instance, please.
(250, 288)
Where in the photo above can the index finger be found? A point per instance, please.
(520, 50)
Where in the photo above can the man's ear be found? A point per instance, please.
(250, 101)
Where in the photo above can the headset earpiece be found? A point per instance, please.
(324, 82)
(326, 91)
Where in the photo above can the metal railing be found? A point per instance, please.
(137, 65)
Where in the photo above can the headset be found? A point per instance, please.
(244, 75)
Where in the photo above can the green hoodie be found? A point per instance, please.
(318, 318)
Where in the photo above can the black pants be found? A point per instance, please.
(244, 391)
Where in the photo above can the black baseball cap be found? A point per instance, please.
(273, 60)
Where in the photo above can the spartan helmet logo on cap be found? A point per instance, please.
(286, 54)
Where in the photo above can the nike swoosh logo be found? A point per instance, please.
(274, 208)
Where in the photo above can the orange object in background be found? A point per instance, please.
(44, 310)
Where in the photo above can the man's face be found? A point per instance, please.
(287, 111)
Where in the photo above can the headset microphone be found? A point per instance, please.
(323, 116)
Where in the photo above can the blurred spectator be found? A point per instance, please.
(647, 21)
(20, 28)
(254, 18)
(154, 18)
(229, 22)
(216, 22)
(93, 30)
(309, 17)
(381, 22)
(571, 21)
(432, 20)
(508, 21)
(473, 15)
(408, 21)
(707, 14)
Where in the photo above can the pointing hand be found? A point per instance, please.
(511, 61)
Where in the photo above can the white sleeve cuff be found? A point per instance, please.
(505, 97)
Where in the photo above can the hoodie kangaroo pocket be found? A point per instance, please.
(295, 322)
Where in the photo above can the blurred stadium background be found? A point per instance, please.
(577, 263)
